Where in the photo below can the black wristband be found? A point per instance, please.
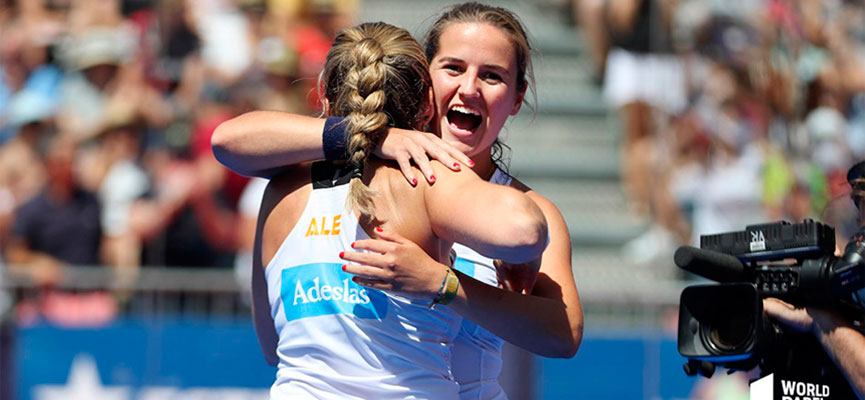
(333, 140)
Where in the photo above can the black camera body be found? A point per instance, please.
(724, 325)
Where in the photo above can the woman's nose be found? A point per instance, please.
(469, 86)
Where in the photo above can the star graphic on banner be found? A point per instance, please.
(83, 383)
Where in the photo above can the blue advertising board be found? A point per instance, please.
(612, 365)
(188, 359)
(141, 359)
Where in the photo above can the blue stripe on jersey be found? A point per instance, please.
(317, 289)
(465, 266)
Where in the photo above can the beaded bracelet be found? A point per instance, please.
(448, 290)
(453, 285)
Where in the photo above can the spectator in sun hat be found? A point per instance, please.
(26, 70)
(29, 119)
(281, 67)
(94, 58)
(26, 107)
(123, 181)
(98, 46)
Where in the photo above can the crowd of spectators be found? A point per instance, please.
(106, 113)
(734, 112)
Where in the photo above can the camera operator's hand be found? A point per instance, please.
(844, 344)
(798, 319)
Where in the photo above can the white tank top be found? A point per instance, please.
(339, 340)
(477, 353)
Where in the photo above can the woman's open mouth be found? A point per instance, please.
(464, 118)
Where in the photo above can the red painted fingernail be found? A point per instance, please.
(456, 165)
(378, 229)
(414, 181)
(471, 163)
(341, 253)
(343, 267)
(352, 245)
(432, 178)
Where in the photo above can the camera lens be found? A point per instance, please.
(727, 332)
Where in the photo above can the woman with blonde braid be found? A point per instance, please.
(339, 339)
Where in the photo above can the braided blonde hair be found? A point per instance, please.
(376, 76)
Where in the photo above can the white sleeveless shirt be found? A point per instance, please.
(477, 353)
(339, 340)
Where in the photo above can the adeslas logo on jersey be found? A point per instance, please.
(323, 288)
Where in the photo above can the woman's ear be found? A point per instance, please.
(325, 103)
(521, 95)
(429, 109)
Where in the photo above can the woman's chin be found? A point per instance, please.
(464, 144)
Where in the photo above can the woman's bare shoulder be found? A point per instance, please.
(546, 205)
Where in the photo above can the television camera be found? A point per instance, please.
(724, 324)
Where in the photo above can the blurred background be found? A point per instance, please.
(125, 255)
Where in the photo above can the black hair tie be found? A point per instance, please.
(356, 170)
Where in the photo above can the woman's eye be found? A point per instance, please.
(491, 76)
